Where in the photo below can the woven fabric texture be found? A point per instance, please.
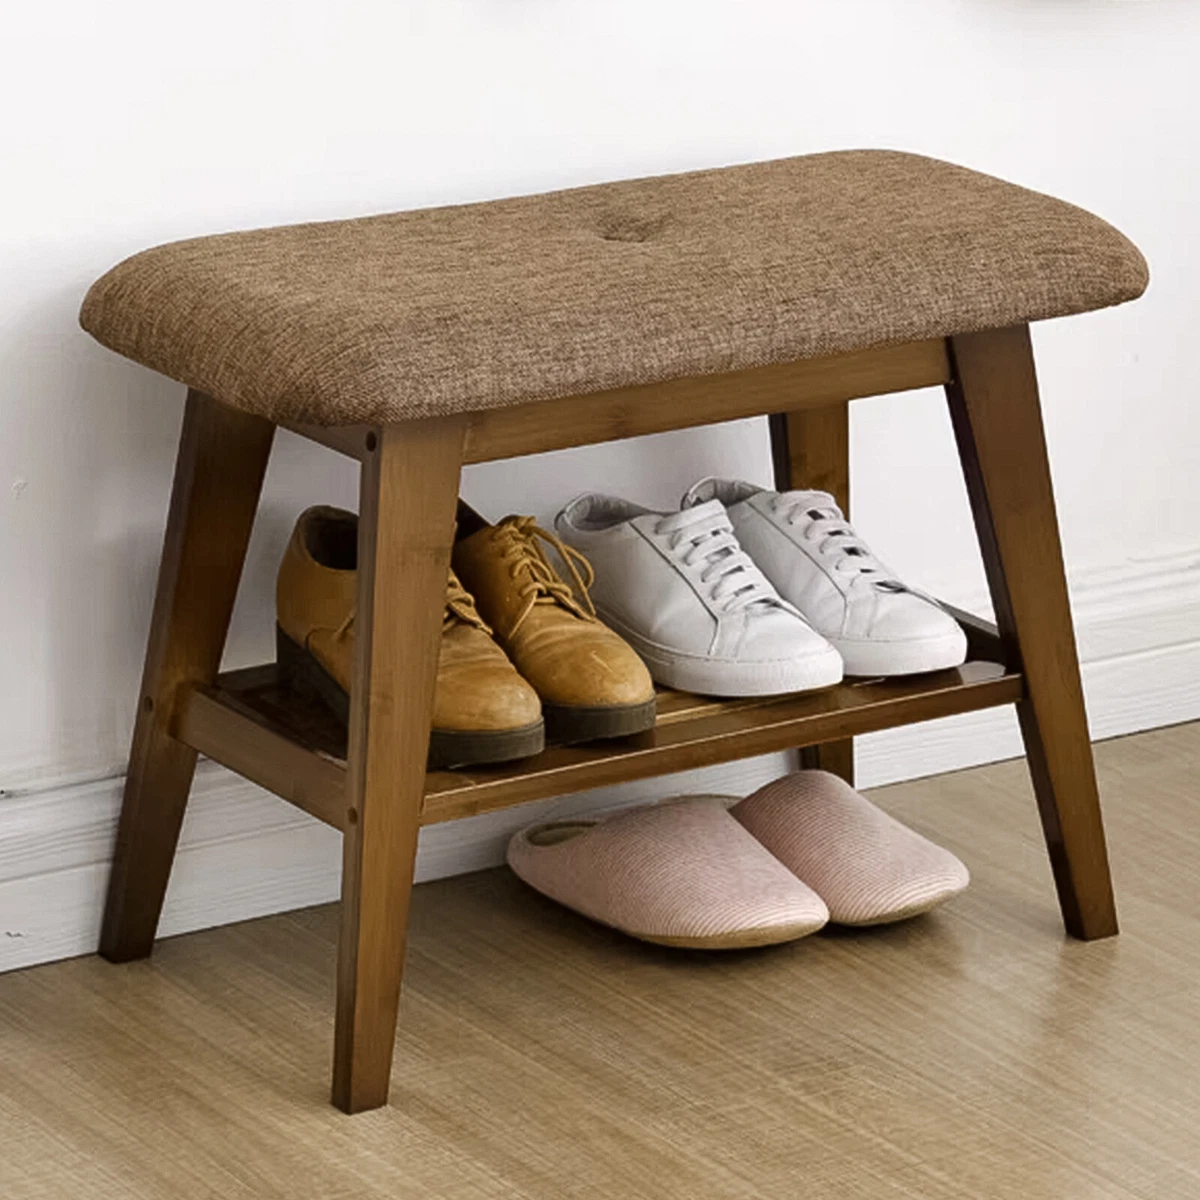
(867, 867)
(682, 872)
(481, 306)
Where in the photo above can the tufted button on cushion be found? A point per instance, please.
(480, 306)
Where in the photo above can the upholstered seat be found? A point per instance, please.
(485, 305)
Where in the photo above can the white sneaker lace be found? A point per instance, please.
(836, 542)
(705, 535)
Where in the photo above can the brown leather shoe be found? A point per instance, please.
(592, 683)
(483, 711)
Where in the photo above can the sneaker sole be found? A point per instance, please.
(864, 657)
(448, 748)
(709, 677)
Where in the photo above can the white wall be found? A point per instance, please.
(134, 122)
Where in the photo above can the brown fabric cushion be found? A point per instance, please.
(484, 305)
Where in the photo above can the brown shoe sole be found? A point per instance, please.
(448, 748)
(566, 725)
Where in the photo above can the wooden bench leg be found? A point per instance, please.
(998, 424)
(406, 528)
(218, 478)
(811, 449)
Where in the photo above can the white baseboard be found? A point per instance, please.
(244, 853)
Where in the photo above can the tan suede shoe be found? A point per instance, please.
(592, 683)
(483, 711)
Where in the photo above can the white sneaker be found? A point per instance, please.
(806, 548)
(683, 593)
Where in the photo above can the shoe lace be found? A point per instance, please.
(704, 534)
(520, 540)
(836, 542)
(460, 610)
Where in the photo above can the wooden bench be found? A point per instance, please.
(417, 342)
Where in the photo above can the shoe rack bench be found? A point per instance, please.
(292, 746)
(316, 329)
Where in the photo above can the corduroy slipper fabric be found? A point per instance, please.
(680, 873)
(867, 867)
(479, 306)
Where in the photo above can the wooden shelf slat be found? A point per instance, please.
(272, 753)
(717, 732)
(295, 748)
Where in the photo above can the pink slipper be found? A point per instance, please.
(865, 865)
(681, 873)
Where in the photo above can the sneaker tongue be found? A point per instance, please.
(822, 506)
(708, 508)
(698, 514)
(727, 491)
(692, 531)
(700, 493)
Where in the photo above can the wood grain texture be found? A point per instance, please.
(677, 404)
(219, 471)
(409, 490)
(284, 743)
(998, 425)
(681, 403)
(721, 734)
(355, 441)
(810, 449)
(217, 724)
(972, 1055)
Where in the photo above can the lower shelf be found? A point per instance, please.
(296, 748)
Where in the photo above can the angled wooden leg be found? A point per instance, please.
(218, 478)
(406, 527)
(811, 449)
(998, 424)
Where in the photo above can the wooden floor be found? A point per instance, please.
(973, 1053)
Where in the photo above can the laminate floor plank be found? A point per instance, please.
(973, 1053)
